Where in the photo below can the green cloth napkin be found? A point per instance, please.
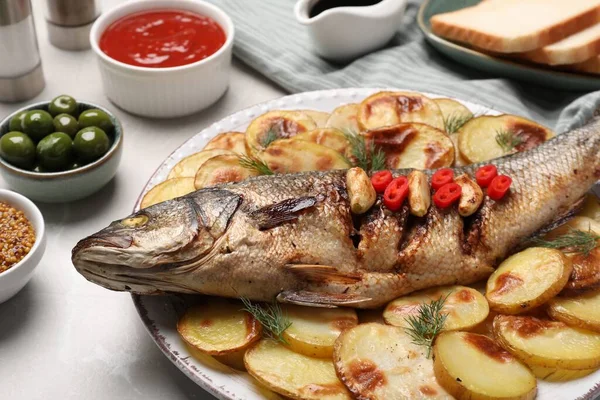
(269, 39)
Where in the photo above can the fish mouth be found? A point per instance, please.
(113, 277)
(123, 278)
(103, 240)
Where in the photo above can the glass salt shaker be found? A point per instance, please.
(21, 75)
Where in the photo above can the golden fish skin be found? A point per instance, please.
(292, 237)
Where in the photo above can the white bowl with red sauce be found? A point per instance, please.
(164, 58)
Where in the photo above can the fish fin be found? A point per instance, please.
(318, 299)
(323, 274)
(560, 219)
(287, 210)
(563, 218)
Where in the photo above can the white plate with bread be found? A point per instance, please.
(554, 43)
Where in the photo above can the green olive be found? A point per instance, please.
(55, 151)
(74, 165)
(95, 117)
(18, 149)
(66, 123)
(63, 104)
(38, 124)
(90, 144)
(16, 122)
(39, 168)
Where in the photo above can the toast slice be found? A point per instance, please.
(573, 49)
(516, 26)
(591, 66)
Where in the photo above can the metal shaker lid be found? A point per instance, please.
(14, 11)
(71, 12)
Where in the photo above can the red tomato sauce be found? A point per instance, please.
(162, 38)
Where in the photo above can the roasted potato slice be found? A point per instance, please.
(167, 190)
(485, 327)
(459, 160)
(579, 223)
(472, 366)
(559, 374)
(320, 117)
(188, 166)
(455, 114)
(581, 311)
(586, 267)
(391, 108)
(328, 137)
(419, 193)
(413, 145)
(487, 137)
(288, 155)
(548, 347)
(222, 169)
(231, 141)
(313, 333)
(234, 360)
(292, 374)
(465, 306)
(344, 118)
(591, 207)
(378, 361)
(527, 279)
(370, 315)
(471, 196)
(219, 327)
(275, 125)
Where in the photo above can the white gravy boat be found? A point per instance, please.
(344, 33)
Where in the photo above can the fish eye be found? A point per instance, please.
(135, 222)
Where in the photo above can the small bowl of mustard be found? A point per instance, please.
(22, 242)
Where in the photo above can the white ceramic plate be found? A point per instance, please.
(160, 313)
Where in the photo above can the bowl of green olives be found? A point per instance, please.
(60, 150)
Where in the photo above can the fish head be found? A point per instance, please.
(176, 235)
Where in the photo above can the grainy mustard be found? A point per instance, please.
(17, 236)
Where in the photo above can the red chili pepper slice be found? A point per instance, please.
(447, 195)
(499, 186)
(396, 193)
(381, 180)
(442, 177)
(485, 175)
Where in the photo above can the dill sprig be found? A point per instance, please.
(427, 323)
(377, 160)
(455, 121)
(508, 140)
(575, 241)
(271, 317)
(270, 137)
(255, 164)
(365, 154)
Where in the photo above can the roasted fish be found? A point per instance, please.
(293, 237)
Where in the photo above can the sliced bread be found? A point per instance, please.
(515, 26)
(591, 66)
(573, 49)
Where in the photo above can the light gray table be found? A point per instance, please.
(62, 337)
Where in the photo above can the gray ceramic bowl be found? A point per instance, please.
(59, 187)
